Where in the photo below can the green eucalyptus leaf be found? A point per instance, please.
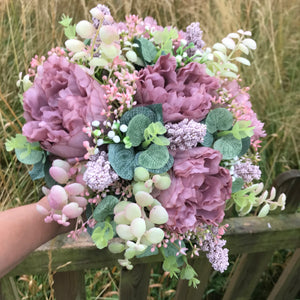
(144, 110)
(237, 184)
(154, 157)
(157, 109)
(37, 171)
(136, 128)
(208, 140)
(246, 142)
(146, 50)
(219, 119)
(29, 157)
(229, 146)
(105, 208)
(161, 141)
(102, 234)
(121, 160)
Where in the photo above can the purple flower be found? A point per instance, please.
(185, 134)
(186, 93)
(198, 191)
(61, 101)
(194, 35)
(99, 175)
(247, 171)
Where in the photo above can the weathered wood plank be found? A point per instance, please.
(203, 268)
(288, 284)
(134, 284)
(245, 235)
(69, 285)
(8, 289)
(241, 285)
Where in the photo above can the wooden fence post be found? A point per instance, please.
(69, 285)
(134, 283)
(203, 268)
(241, 286)
(288, 284)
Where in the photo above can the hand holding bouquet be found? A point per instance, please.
(149, 133)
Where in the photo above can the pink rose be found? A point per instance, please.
(198, 190)
(61, 101)
(184, 93)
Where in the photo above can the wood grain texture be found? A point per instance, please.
(247, 272)
(204, 269)
(245, 235)
(134, 284)
(288, 284)
(69, 285)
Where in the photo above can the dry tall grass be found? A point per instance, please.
(29, 27)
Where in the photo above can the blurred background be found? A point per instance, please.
(29, 27)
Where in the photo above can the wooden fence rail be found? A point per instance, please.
(254, 239)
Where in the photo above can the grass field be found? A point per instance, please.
(29, 27)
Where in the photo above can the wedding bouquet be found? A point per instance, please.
(145, 137)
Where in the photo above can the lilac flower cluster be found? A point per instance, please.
(103, 9)
(185, 134)
(247, 171)
(217, 255)
(99, 174)
(194, 35)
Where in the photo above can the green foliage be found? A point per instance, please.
(237, 185)
(170, 265)
(27, 153)
(136, 127)
(188, 273)
(219, 119)
(144, 110)
(151, 132)
(37, 171)
(157, 109)
(164, 40)
(70, 30)
(229, 146)
(155, 157)
(102, 233)
(240, 130)
(245, 146)
(208, 140)
(121, 160)
(105, 208)
(146, 50)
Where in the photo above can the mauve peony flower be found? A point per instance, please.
(198, 190)
(61, 101)
(186, 93)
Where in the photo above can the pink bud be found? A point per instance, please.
(45, 191)
(59, 174)
(62, 164)
(72, 210)
(56, 217)
(82, 202)
(74, 189)
(57, 197)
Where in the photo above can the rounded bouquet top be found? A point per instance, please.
(149, 133)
